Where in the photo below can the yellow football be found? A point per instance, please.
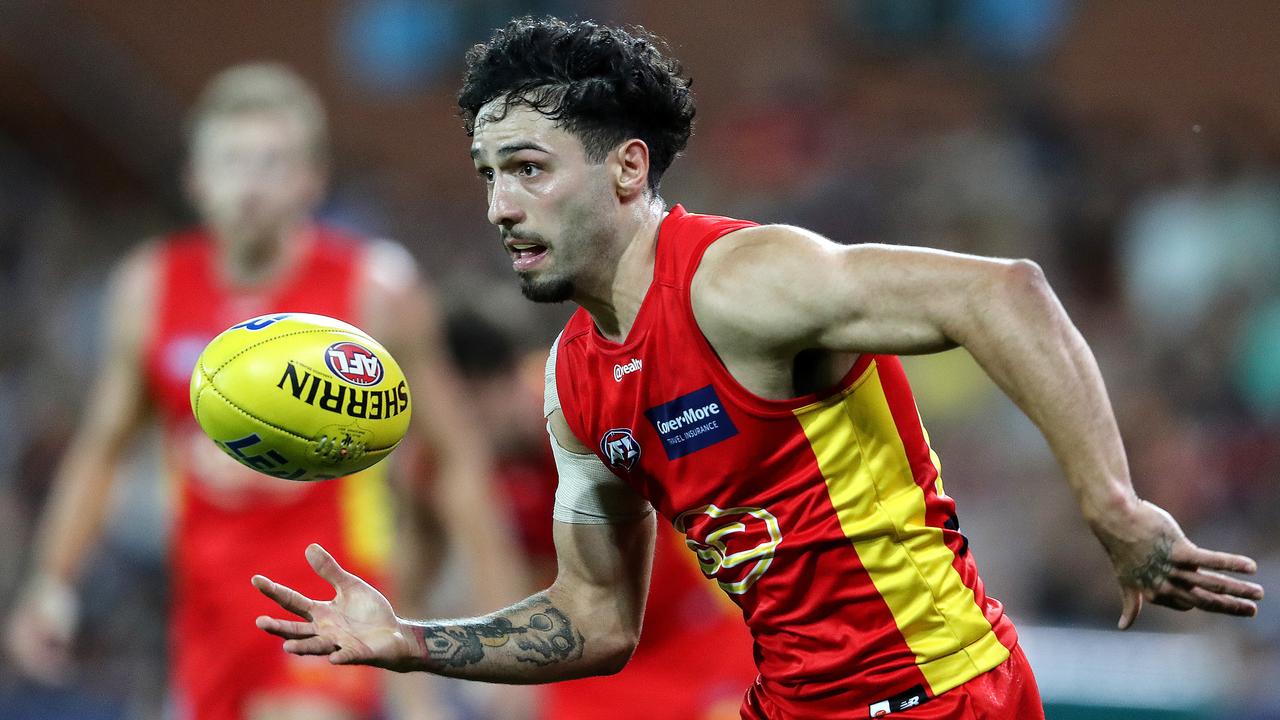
(300, 396)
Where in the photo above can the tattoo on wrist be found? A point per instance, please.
(548, 637)
(1156, 568)
(451, 646)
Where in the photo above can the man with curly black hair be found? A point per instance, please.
(742, 380)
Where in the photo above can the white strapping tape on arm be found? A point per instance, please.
(587, 493)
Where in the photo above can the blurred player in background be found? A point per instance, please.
(257, 171)
(742, 381)
(663, 681)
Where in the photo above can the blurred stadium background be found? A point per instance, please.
(1131, 148)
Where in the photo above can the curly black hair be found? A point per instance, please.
(603, 84)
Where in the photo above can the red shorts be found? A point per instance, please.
(1007, 692)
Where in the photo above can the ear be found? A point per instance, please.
(631, 172)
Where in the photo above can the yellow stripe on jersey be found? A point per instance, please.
(881, 510)
(367, 522)
(933, 457)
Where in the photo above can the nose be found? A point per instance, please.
(503, 209)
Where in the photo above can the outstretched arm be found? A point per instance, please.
(875, 298)
(587, 623)
(42, 625)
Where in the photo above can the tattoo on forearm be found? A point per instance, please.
(548, 637)
(1156, 567)
(453, 646)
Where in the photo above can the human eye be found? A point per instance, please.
(486, 174)
(528, 169)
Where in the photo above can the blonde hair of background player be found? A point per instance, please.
(266, 88)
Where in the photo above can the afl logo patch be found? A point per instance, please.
(619, 448)
(354, 363)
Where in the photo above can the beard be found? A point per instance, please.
(588, 227)
(553, 290)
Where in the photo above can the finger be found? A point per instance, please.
(1217, 583)
(1172, 595)
(1225, 604)
(1132, 605)
(1215, 602)
(310, 646)
(287, 598)
(287, 629)
(1191, 557)
(328, 568)
(346, 656)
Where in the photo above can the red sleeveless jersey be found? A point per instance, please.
(231, 522)
(823, 517)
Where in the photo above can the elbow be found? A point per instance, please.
(1008, 294)
(1023, 284)
(615, 646)
(614, 658)
(1025, 275)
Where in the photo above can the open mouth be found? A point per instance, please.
(526, 255)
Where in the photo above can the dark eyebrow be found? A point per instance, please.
(511, 148)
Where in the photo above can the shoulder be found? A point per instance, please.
(753, 282)
(392, 260)
(760, 248)
(132, 291)
(390, 267)
(134, 278)
(394, 299)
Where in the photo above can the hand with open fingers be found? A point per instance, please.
(357, 627)
(1155, 562)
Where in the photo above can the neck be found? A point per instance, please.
(614, 305)
(252, 261)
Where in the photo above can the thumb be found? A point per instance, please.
(328, 568)
(1132, 599)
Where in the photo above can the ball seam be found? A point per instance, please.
(264, 341)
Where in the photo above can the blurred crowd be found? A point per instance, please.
(934, 128)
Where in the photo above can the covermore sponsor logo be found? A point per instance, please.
(620, 370)
(691, 422)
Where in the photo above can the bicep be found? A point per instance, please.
(604, 533)
(117, 400)
(807, 292)
(898, 300)
(605, 568)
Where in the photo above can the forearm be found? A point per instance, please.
(538, 640)
(74, 514)
(1023, 338)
